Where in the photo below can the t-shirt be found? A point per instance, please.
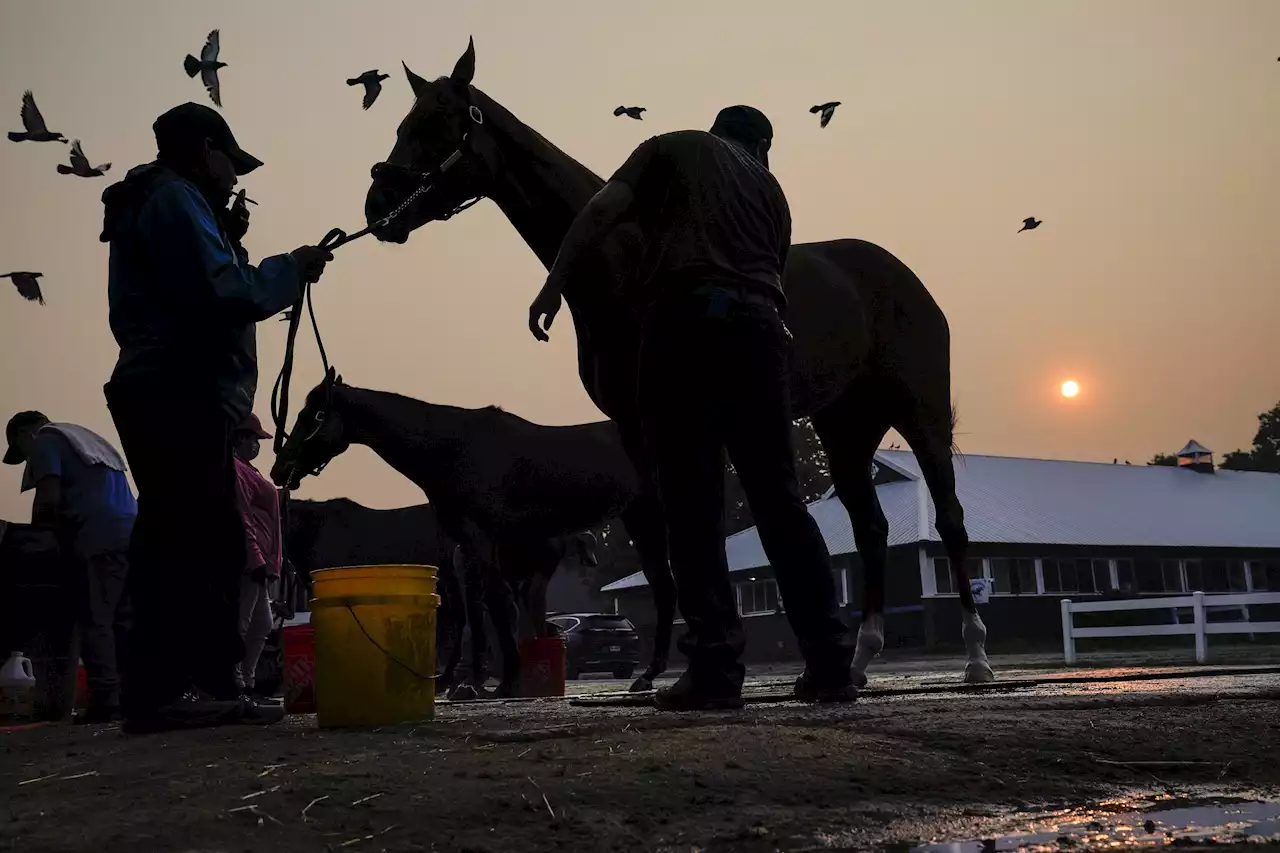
(710, 214)
(96, 500)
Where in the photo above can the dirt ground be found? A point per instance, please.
(886, 773)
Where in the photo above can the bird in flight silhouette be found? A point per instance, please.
(36, 130)
(1029, 224)
(28, 285)
(80, 164)
(632, 112)
(207, 66)
(372, 82)
(828, 110)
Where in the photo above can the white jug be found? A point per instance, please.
(17, 679)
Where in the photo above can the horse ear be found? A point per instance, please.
(338, 379)
(465, 71)
(330, 374)
(416, 83)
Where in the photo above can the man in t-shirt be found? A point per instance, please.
(81, 493)
(713, 375)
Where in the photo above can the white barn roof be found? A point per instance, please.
(1012, 500)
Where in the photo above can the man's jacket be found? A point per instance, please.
(183, 299)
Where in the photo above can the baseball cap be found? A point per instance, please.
(253, 426)
(191, 123)
(17, 423)
(744, 123)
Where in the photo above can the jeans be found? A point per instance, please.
(187, 551)
(255, 627)
(102, 613)
(713, 377)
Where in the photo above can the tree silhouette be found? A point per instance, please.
(1265, 453)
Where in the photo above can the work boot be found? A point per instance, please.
(693, 694)
(810, 689)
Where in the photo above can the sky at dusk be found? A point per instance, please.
(1145, 135)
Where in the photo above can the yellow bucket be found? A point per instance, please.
(375, 634)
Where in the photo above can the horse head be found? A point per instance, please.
(318, 436)
(441, 162)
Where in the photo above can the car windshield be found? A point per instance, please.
(565, 623)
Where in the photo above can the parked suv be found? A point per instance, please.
(598, 642)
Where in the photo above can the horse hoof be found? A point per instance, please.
(642, 684)
(978, 672)
(859, 679)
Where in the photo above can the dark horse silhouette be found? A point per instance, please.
(341, 532)
(871, 349)
(502, 487)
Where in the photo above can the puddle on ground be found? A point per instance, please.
(1127, 824)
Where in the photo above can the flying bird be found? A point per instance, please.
(372, 82)
(207, 67)
(80, 164)
(633, 112)
(36, 131)
(1029, 223)
(28, 285)
(828, 110)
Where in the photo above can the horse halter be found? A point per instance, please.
(426, 180)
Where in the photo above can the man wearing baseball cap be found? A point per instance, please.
(712, 376)
(83, 497)
(184, 301)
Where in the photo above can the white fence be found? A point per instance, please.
(1200, 627)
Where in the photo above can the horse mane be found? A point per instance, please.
(542, 221)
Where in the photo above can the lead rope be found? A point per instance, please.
(333, 240)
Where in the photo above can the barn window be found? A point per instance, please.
(758, 597)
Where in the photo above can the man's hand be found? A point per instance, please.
(311, 260)
(236, 221)
(547, 304)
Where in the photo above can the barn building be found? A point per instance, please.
(1040, 531)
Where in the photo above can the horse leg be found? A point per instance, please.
(930, 431)
(643, 521)
(453, 622)
(502, 610)
(850, 435)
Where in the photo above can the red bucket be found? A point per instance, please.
(82, 688)
(542, 667)
(299, 669)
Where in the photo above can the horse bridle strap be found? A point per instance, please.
(427, 179)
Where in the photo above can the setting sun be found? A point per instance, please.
(1070, 388)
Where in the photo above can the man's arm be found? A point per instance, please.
(589, 228)
(44, 471)
(185, 234)
(46, 507)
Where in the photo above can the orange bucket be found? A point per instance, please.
(299, 669)
(542, 667)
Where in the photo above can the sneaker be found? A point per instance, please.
(264, 699)
(809, 689)
(97, 715)
(192, 711)
(255, 713)
(687, 695)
